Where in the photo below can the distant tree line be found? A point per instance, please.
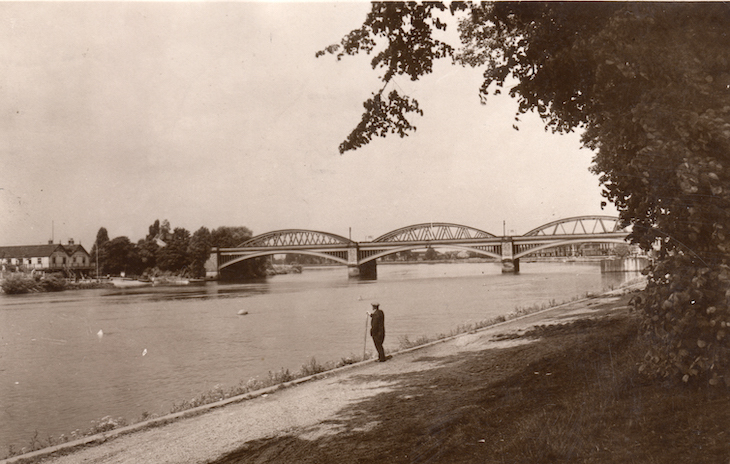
(171, 251)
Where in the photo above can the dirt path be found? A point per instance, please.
(335, 404)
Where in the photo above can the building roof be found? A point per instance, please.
(71, 249)
(31, 251)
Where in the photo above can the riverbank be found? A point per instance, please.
(526, 390)
(18, 283)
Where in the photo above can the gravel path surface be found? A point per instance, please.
(303, 410)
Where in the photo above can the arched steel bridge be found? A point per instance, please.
(361, 256)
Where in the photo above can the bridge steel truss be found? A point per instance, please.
(570, 231)
(362, 255)
(308, 242)
(431, 234)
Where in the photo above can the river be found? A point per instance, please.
(72, 357)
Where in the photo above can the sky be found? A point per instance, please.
(218, 114)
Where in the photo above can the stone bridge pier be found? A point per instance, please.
(211, 265)
(510, 264)
(356, 270)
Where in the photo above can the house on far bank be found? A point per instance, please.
(79, 258)
(70, 259)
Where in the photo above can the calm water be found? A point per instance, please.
(158, 346)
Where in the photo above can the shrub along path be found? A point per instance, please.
(527, 391)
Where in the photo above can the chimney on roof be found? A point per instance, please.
(50, 242)
(70, 241)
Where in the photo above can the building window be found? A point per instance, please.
(40, 261)
(64, 260)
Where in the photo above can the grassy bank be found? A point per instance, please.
(559, 393)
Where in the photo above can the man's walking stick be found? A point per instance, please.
(365, 340)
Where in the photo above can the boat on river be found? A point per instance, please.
(162, 281)
(130, 283)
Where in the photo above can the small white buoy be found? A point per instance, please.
(100, 333)
(144, 352)
(242, 312)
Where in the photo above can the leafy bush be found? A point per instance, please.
(53, 284)
(687, 319)
(18, 283)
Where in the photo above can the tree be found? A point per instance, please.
(164, 231)
(153, 230)
(122, 256)
(431, 254)
(174, 256)
(98, 253)
(148, 249)
(648, 86)
(409, 49)
(199, 251)
(226, 237)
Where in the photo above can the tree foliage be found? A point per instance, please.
(121, 257)
(406, 29)
(228, 237)
(199, 251)
(174, 255)
(176, 252)
(97, 249)
(648, 84)
(148, 250)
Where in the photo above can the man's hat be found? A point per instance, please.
(375, 305)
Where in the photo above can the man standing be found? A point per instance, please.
(377, 330)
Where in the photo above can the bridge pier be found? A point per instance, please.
(356, 270)
(510, 264)
(364, 271)
(211, 266)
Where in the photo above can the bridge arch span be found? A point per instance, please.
(268, 253)
(568, 242)
(433, 231)
(577, 225)
(295, 237)
(375, 256)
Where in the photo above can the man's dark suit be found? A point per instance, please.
(377, 331)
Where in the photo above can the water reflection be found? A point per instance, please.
(209, 290)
